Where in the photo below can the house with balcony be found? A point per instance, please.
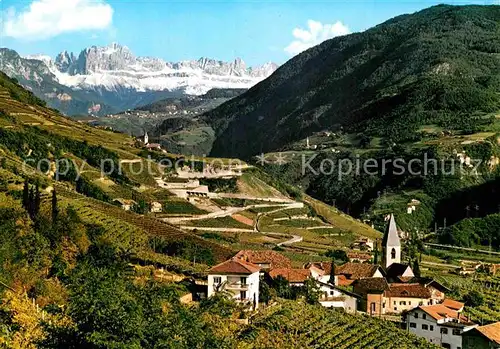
(238, 278)
(439, 325)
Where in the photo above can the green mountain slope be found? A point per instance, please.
(439, 66)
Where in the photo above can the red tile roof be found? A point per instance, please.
(491, 331)
(343, 281)
(326, 267)
(292, 275)
(370, 285)
(355, 271)
(360, 256)
(440, 312)
(275, 259)
(455, 305)
(408, 290)
(234, 266)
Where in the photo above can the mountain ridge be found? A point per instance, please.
(425, 68)
(110, 79)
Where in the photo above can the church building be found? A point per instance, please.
(391, 245)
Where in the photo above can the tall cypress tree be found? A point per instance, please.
(332, 273)
(37, 201)
(26, 195)
(55, 211)
(416, 268)
(31, 203)
(375, 252)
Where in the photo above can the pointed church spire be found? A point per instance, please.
(391, 245)
(391, 237)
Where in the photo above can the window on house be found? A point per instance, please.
(413, 325)
(243, 280)
(394, 302)
(424, 316)
(372, 307)
(243, 295)
(393, 253)
(420, 303)
(331, 293)
(396, 308)
(217, 280)
(446, 345)
(444, 331)
(431, 328)
(415, 315)
(456, 332)
(425, 327)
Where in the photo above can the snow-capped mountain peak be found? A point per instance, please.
(115, 67)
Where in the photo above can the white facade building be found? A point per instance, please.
(332, 297)
(156, 207)
(439, 325)
(237, 277)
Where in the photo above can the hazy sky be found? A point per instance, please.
(257, 31)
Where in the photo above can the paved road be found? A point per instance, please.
(222, 213)
(292, 240)
(248, 197)
(222, 230)
(462, 248)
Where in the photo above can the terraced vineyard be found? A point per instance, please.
(134, 225)
(298, 325)
(489, 287)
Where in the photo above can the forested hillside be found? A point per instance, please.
(439, 66)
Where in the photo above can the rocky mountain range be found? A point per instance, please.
(112, 78)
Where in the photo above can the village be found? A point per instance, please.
(357, 283)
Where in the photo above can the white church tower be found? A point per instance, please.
(391, 245)
(146, 138)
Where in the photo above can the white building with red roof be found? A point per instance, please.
(440, 324)
(238, 278)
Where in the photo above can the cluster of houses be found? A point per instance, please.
(126, 204)
(378, 290)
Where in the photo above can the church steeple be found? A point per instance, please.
(391, 245)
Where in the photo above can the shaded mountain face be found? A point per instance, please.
(110, 79)
(438, 66)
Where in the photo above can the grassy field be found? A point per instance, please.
(253, 186)
(175, 206)
(221, 222)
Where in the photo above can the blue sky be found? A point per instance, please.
(257, 31)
